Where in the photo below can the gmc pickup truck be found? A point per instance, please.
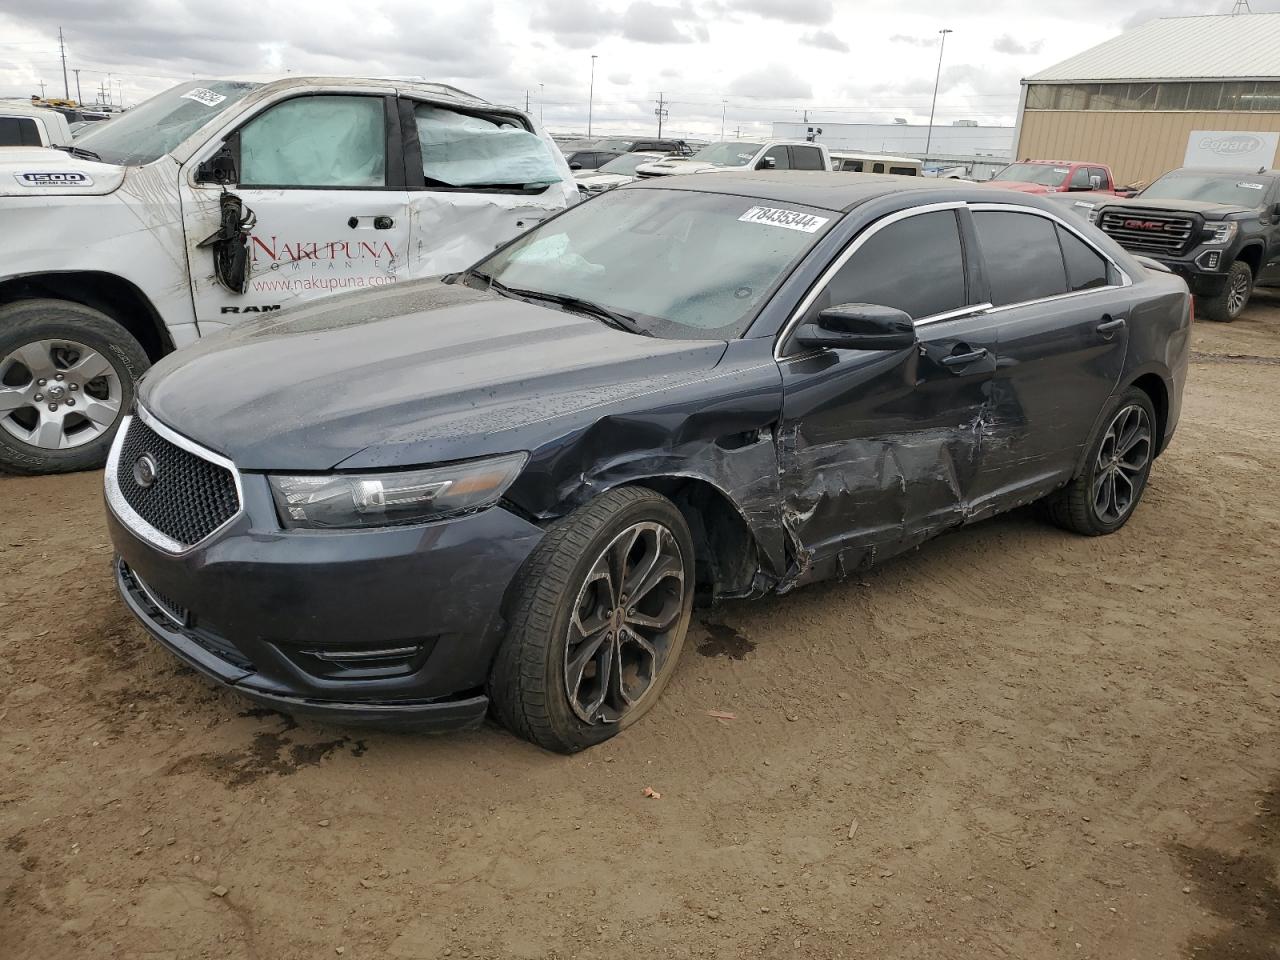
(1217, 229)
(1055, 176)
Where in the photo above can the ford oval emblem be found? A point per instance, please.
(144, 470)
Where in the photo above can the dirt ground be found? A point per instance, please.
(1012, 743)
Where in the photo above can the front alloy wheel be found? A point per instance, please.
(58, 394)
(597, 621)
(620, 632)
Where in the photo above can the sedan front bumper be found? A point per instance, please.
(394, 626)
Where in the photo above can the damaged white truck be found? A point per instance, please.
(224, 198)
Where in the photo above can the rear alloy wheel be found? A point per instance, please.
(1230, 303)
(1104, 496)
(66, 379)
(600, 616)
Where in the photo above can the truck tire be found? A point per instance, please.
(68, 375)
(1230, 303)
(585, 656)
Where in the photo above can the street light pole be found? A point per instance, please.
(936, 81)
(724, 105)
(542, 99)
(591, 95)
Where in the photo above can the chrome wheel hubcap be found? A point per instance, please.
(1122, 461)
(624, 623)
(58, 394)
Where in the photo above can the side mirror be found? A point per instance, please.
(575, 166)
(859, 326)
(1275, 211)
(1095, 183)
(220, 168)
(767, 163)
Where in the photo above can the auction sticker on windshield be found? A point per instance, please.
(205, 96)
(1250, 186)
(791, 219)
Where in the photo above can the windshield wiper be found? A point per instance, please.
(80, 152)
(619, 321)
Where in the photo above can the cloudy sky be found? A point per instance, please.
(755, 60)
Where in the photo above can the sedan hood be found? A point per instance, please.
(674, 165)
(428, 373)
(45, 172)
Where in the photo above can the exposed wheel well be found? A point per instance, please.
(114, 296)
(1153, 385)
(725, 550)
(1253, 257)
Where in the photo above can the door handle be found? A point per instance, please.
(960, 359)
(1108, 327)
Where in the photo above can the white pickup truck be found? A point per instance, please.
(224, 198)
(739, 155)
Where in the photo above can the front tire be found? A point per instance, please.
(1230, 303)
(1102, 499)
(67, 378)
(600, 615)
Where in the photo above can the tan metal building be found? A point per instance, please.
(1179, 91)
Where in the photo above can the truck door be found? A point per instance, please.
(1270, 217)
(321, 179)
(476, 178)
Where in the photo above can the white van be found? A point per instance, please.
(223, 199)
(876, 163)
(24, 126)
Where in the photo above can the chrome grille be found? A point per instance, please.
(1148, 232)
(188, 497)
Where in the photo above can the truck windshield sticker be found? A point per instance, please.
(1250, 186)
(204, 95)
(70, 178)
(791, 219)
(1061, 169)
(745, 156)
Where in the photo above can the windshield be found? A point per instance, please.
(731, 154)
(156, 126)
(682, 265)
(1234, 189)
(627, 163)
(622, 145)
(1044, 174)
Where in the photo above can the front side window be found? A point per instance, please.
(853, 166)
(321, 141)
(1080, 179)
(903, 171)
(682, 265)
(915, 265)
(779, 157)
(462, 150)
(156, 126)
(1022, 256)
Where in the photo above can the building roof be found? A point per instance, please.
(1243, 46)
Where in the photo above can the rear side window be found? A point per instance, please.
(462, 150)
(806, 158)
(878, 168)
(916, 265)
(903, 171)
(323, 141)
(1023, 259)
(1086, 268)
(852, 165)
(19, 132)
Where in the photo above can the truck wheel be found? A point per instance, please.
(600, 615)
(67, 377)
(1230, 303)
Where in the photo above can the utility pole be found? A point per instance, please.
(737, 132)
(591, 95)
(936, 81)
(724, 105)
(542, 102)
(62, 47)
(661, 112)
(79, 99)
(1242, 6)
(526, 100)
(41, 89)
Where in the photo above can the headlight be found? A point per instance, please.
(1217, 234)
(339, 500)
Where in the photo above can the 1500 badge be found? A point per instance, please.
(66, 178)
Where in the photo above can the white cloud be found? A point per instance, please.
(772, 82)
(824, 40)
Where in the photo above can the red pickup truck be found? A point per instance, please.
(1055, 176)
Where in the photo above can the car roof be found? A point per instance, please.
(814, 188)
(852, 155)
(1227, 171)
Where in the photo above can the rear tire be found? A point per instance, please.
(68, 376)
(549, 683)
(1233, 298)
(1102, 499)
